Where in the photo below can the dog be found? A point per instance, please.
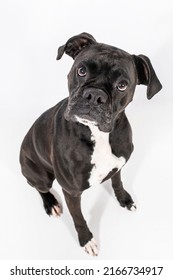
(86, 138)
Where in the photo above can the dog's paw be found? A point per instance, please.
(132, 207)
(56, 211)
(91, 247)
(126, 201)
(51, 204)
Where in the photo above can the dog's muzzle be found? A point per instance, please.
(92, 105)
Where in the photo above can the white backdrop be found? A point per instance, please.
(32, 81)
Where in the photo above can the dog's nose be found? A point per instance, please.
(95, 96)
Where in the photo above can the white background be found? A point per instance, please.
(31, 81)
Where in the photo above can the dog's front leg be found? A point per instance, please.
(85, 236)
(122, 195)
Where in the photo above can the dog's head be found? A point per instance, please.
(102, 80)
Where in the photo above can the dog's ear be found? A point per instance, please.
(146, 75)
(75, 44)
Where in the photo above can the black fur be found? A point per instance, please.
(59, 147)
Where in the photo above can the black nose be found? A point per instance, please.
(95, 96)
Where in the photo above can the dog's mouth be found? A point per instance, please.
(90, 115)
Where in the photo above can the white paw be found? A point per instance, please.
(133, 208)
(56, 211)
(91, 247)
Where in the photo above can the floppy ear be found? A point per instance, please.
(75, 44)
(147, 75)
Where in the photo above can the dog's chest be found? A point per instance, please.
(102, 159)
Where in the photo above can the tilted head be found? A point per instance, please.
(102, 80)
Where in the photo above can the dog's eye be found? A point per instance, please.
(82, 71)
(122, 86)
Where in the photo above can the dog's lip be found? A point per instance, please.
(89, 123)
(69, 114)
(104, 126)
(85, 120)
(86, 114)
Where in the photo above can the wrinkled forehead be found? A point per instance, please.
(105, 56)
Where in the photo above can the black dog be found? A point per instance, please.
(86, 139)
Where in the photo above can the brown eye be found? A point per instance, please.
(122, 86)
(82, 71)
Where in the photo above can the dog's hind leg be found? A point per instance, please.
(41, 179)
(122, 195)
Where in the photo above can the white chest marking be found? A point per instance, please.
(103, 160)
